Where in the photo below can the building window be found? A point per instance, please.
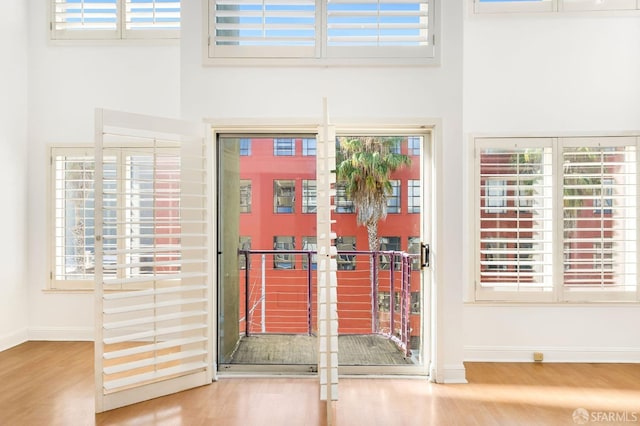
(343, 203)
(413, 196)
(310, 244)
(346, 261)
(393, 199)
(245, 196)
(389, 244)
(114, 19)
(593, 214)
(245, 147)
(244, 244)
(283, 260)
(308, 146)
(495, 198)
(284, 196)
(309, 203)
(284, 147)
(345, 30)
(414, 145)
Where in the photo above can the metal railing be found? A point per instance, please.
(278, 290)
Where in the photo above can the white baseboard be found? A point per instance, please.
(551, 354)
(450, 373)
(454, 373)
(61, 333)
(15, 338)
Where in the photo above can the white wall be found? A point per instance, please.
(365, 95)
(13, 173)
(560, 75)
(66, 83)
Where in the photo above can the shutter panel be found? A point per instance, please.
(515, 220)
(85, 19)
(600, 218)
(152, 291)
(146, 17)
(327, 266)
(383, 28)
(263, 28)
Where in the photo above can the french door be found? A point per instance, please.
(152, 298)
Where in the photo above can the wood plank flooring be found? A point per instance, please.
(51, 383)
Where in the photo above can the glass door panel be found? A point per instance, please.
(267, 223)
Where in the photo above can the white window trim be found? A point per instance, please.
(554, 6)
(320, 54)
(120, 34)
(559, 294)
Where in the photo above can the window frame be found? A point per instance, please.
(123, 166)
(558, 291)
(119, 33)
(552, 6)
(321, 53)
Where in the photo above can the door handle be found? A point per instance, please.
(424, 255)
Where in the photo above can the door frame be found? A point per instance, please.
(430, 167)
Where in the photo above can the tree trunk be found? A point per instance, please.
(374, 246)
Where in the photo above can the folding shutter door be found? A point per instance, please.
(152, 286)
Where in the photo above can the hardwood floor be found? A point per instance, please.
(51, 383)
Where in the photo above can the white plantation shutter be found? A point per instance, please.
(263, 28)
(383, 28)
(85, 19)
(115, 19)
(600, 218)
(162, 17)
(321, 29)
(152, 255)
(515, 222)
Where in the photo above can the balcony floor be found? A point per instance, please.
(279, 349)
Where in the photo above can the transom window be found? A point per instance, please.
(115, 19)
(580, 244)
(321, 29)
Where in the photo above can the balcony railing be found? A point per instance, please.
(378, 293)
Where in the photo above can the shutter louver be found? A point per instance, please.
(160, 16)
(263, 28)
(115, 19)
(600, 217)
(515, 205)
(85, 19)
(384, 28)
(152, 292)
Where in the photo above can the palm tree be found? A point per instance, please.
(364, 166)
